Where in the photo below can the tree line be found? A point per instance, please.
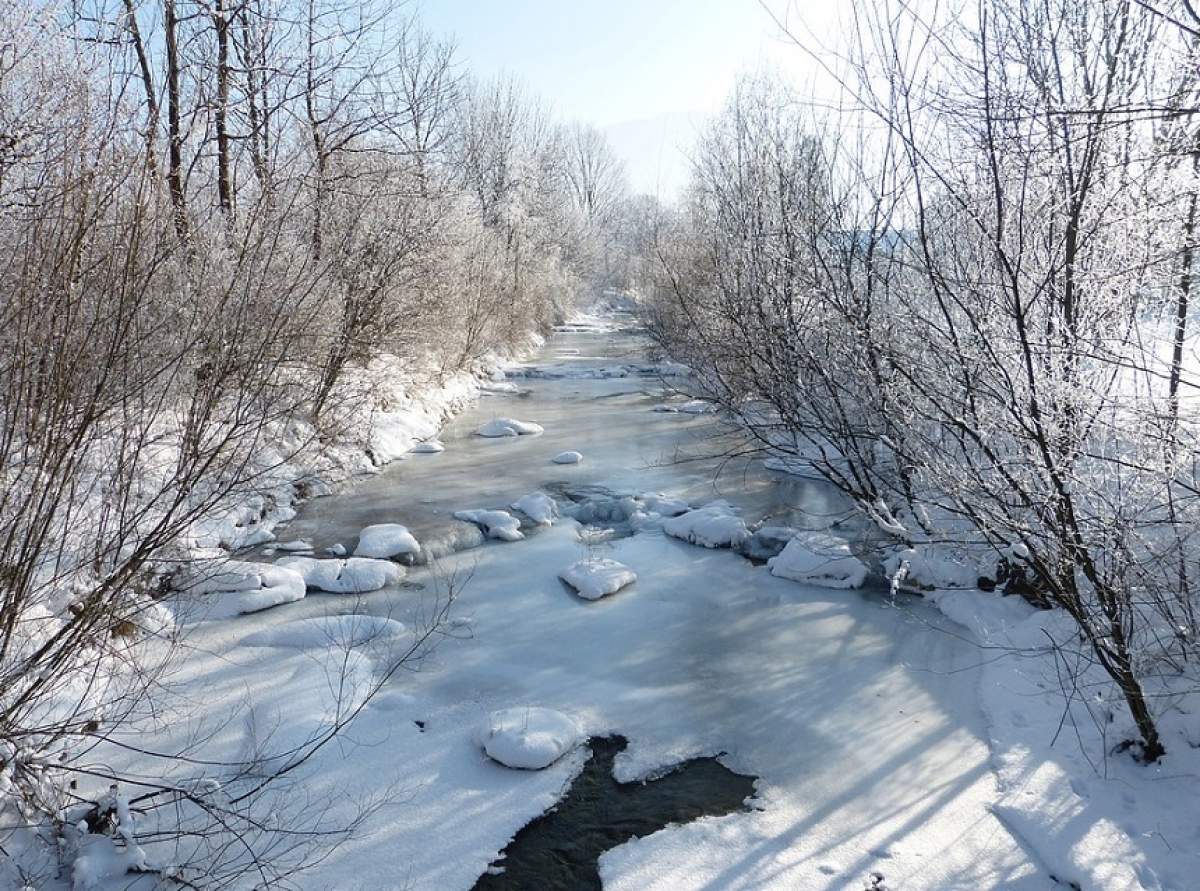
(214, 215)
(965, 298)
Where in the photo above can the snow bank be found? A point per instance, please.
(358, 575)
(528, 738)
(712, 526)
(495, 523)
(568, 457)
(597, 577)
(1127, 825)
(386, 540)
(508, 427)
(819, 559)
(353, 630)
(539, 507)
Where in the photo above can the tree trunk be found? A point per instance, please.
(224, 176)
(174, 134)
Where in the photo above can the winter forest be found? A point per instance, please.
(400, 491)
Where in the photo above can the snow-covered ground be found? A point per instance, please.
(862, 717)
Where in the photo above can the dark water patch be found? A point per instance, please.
(560, 850)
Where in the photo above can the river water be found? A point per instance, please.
(857, 716)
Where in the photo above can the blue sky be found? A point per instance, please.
(647, 72)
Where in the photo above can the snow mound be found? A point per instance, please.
(496, 523)
(925, 567)
(539, 507)
(819, 559)
(713, 526)
(429, 447)
(528, 738)
(245, 587)
(664, 505)
(358, 575)
(386, 540)
(100, 861)
(352, 630)
(597, 577)
(508, 427)
(338, 550)
(568, 457)
(767, 542)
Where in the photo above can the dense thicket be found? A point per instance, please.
(213, 213)
(966, 303)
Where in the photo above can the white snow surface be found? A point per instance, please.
(501, 427)
(597, 577)
(568, 457)
(539, 507)
(528, 737)
(713, 526)
(357, 575)
(429, 447)
(819, 558)
(385, 540)
(1096, 818)
(350, 630)
(495, 523)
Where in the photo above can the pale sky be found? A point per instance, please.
(646, 71)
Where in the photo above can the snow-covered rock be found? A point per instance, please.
(819, 559)
(508, 427)
(528, 738)
(495, 523)
(539, 507)
(279, 585)
(358, 575)
(568, 457)
(243, 587)
(352, 630)
(597, 577)
(664, 505)
(712, 526)
(386, 540)
(338, 550)
(429, 447)
(767, 542)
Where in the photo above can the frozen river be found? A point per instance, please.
(858, 716)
